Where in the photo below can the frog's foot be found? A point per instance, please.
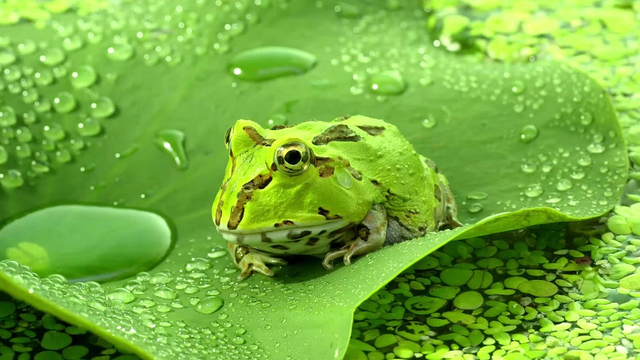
(253, 261)
(448, 214)
(371, 234)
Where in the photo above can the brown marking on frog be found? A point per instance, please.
(437, 192)
(255, 136)
(326, 171)
(326, 214)
(319, 161)
(223, 188)
(237, 212)
(341, 231)
(294, 235)
(431, 164)
(355, 173)
(372, 130)
(339, 132)
(279, 247)
(283, 223)
(280, 127)
(265, 239)
(312, 241)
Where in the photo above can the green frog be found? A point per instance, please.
(328, 189)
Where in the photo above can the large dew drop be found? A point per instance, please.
(270, 62)
(172, 142)
(209, 305)
(86, 242)
(528, 133)
(388, 82)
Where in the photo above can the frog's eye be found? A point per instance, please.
(227, 138)
(293, 158)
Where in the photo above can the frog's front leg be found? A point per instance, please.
(251, 260)
(370, 236)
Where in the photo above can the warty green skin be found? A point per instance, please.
(358, 185)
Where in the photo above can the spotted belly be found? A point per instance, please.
(293, 239)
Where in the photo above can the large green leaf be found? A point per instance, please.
(520, 144)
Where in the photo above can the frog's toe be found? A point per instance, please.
(328, 259)
(255, 263)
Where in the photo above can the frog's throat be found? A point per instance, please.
(286, 232)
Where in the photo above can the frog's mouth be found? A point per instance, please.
(287, 232)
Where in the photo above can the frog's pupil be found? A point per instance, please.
(293, 157)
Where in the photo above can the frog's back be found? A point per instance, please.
(405, 184)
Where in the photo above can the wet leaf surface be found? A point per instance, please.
(512, 139)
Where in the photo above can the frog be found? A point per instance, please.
(328, 189)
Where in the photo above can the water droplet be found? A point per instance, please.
(388, 82)
(52, 56)
(584, 160)
(83, 76)
(43, 77)
(528, 167)
(70, 239)
(71, 43)
(577, 175)
(23, 151)
(121, 294)
(7, 116)
(89, 127)
(4, 155)
(266, 63)
(429, 122)
(164, 292)
(172, 142)
(54, 131)
(528, 133)
(553, 198)
(26, 47)
(39, 167)
(533, 190)
(30, 96)
(64, 102)
(347, 10)
(596, 148)
(63, 156)
(477, 195)
(564, 185)
(198, 264)
(209, 305)
(120, 52)
(518, 107)
(7, 56)
(475, 208)
(518, 87)
(103, 107)
(214, 253)
(42, 106)
(29, 117)
(12, 179)
(277, 119)
(586, 119)
(12, 73)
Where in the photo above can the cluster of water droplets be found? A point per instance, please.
(376, 49)
(140, 310)
(41, 126)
